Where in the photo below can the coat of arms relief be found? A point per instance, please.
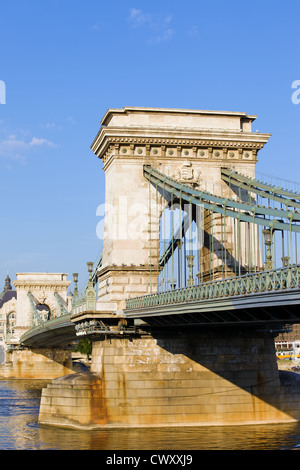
(186, 174)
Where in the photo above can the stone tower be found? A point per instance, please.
(39, 293)
(191, 146)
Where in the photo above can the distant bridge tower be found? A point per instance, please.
(40, 297)
(189, 145)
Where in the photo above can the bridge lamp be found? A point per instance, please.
(268, 242)
(190, 261)
(90, 268)
(285, 261)
(75, 277)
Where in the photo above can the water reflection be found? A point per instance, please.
(19, 429)
(263, 437)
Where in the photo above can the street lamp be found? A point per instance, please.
(285, 261)
(75, 277)
(190, 261)
(90, 269)
(268, 242)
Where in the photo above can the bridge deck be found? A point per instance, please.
(55, 332)
(262, 297)
(248, 309)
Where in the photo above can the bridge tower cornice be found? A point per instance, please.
(153, 132)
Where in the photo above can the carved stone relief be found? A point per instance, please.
(186, 174)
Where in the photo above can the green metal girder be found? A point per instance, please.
(61, 303)
(37, 319)
(265, 186)
(240, 211)
(262, 189)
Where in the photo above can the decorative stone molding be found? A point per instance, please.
(192, 149)
(186, 133)
(31, 286)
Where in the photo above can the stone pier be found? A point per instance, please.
(41, 363)
(173, 378)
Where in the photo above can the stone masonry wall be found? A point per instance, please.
(37, 364)
(176, 380)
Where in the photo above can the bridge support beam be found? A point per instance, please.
(173, 378)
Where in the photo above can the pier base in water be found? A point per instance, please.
(41, 363)
(174, 378)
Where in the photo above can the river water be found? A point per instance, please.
(19, 430)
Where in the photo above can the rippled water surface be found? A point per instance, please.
(19, 430)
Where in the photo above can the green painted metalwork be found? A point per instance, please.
(278, 221)
(97, 265)
(87, 299)
(289, 198)
(228, 207)
(36, 317)
(50, 329)
(277, 279)
(61, 302)
(81, 302)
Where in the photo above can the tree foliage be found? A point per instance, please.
(85, 347)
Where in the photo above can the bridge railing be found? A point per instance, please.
(79, 303)
(276, 279)
(85, 301)
(52, 324)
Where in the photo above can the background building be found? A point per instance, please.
(8, 304)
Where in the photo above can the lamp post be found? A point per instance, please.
(268, 242)
(90, 269)
(75, 277)
(190, 261)
(90, 293)
(285, 261)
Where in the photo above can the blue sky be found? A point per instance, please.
(65, 62)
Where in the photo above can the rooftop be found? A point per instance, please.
(173, 113)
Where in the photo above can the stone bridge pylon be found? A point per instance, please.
(189, 145)
(40, 296)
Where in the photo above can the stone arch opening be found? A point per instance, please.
(44, 310)
(180, 242)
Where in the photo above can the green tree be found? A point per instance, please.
(85, 347)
